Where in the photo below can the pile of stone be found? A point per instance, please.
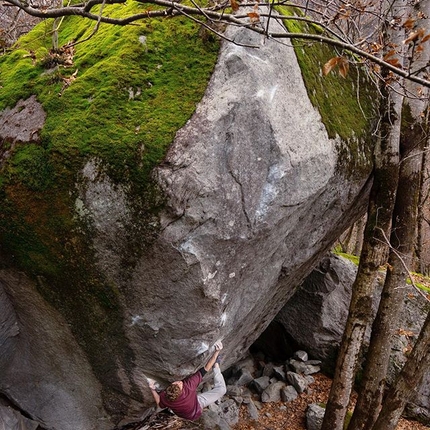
(254, 381)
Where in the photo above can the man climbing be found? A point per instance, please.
(181, 396)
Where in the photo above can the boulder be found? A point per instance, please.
(39, 352)
(251, 194)
(316, 315)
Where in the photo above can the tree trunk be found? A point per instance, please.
(414, 137)
(360, 225)
(386, 322)
(374, 250)
(373, 254)
(406, 382)
(422, 253)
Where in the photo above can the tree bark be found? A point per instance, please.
(373, 255)
(374, 250)
(413, 139)
(406, 382)
(386, 322)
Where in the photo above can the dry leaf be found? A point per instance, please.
(330, 65)
(394, 62)
(234, 5)
(403, 332)
(414, 36)
(407, 350)
(343, 67)
(409, 23)
(254, 16)
(389, 54)
(341, 62)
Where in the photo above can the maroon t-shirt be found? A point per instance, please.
(186, 405)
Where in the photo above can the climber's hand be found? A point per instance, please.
(151, 383)
(218, 346)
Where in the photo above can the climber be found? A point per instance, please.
(181, 396)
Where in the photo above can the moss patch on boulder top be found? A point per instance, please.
(347, 105)
(120, 97)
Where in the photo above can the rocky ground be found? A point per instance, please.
(273, 416)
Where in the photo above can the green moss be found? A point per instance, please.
(124, 107)
(30, 165)
(350, 257)
(94, 117)
(424, 285)
(347, 105)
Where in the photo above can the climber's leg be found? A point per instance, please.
(217, 391)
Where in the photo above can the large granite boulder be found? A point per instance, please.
(253, 192)
(315, 316)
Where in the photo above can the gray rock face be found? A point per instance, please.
(41, 362)
(233, 245)
(316, 315)
(13, 420)
(254, 198)
(22, 123)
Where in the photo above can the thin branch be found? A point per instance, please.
(174, 9)
(399, 256)
(95, 29)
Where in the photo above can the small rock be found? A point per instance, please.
(301, 355)
(297, 381)
(314, 417)
(268, 370)
(279, 373)
(230, 411)
(234, 390)
(245, 377)
(261, 383)
(272, 393)
(303, 367)
(288, 393)
(252, 410)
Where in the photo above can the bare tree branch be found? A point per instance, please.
(325, 15)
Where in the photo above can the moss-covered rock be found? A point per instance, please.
(118, 97)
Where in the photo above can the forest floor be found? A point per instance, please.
(273, 416)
